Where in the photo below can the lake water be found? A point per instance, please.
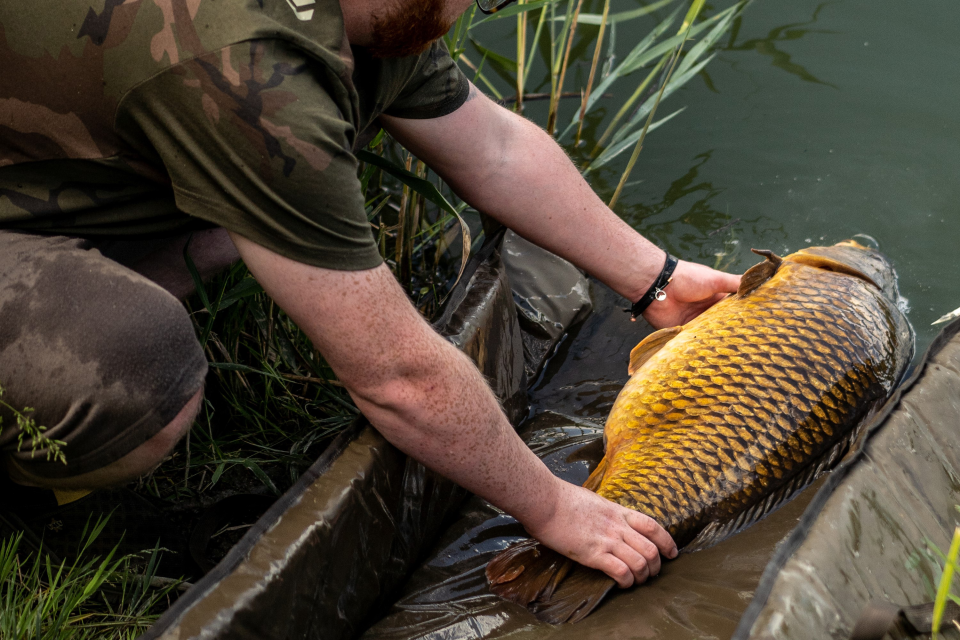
(815, 122)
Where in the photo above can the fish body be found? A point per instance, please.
(725, 418)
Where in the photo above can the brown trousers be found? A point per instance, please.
(104, 355)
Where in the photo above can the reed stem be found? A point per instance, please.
(555, 101)
(593, 69)
(646, 127)
(521, 55)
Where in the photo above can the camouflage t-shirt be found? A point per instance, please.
(146, 117)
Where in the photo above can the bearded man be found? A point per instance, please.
(128, 125)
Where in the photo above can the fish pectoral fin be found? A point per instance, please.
(828, 264)
(596, 476)
(649, 346)
(759, 273)
(707, 537)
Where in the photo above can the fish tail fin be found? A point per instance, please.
(554, 588)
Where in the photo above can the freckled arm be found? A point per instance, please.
(430, 401)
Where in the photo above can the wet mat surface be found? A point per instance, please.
(700, 595)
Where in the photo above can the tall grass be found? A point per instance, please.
(272, 402)
(105, 598)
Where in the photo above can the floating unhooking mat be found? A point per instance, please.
(864, 537)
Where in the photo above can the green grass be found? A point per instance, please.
(29, 430)
(937, 570)
(105, 598)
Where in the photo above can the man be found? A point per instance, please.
(126, 124)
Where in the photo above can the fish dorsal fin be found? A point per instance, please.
(829, 264)
(649, 346)
(759, 273)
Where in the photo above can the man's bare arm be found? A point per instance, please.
(512, 170)
(430, 401)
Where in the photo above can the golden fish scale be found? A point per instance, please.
(749, 394)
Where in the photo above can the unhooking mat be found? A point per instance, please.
(699, 595)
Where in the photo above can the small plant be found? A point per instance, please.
(946, 563)
(30, 430)
(92, 597)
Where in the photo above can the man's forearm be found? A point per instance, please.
(443, 414)
(417, 389)
(523, 179)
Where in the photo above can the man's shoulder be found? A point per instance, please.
(118, 43)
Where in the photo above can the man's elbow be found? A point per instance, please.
(397, 390)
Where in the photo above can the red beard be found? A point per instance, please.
(408, 28)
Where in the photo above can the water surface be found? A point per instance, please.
(815, 122)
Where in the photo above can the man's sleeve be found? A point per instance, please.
(257, 139)
(436, 88)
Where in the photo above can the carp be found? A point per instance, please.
(727, 417)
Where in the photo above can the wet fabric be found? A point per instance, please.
(866, 536)
(105, 357)
(551, 294)
(153, 117)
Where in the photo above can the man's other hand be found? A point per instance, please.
(623, 543)
(693, 289)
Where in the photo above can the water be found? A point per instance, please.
(815, 122)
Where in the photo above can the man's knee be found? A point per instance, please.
(138, 462)
(107, 358)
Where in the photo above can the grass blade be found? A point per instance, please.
(514, 10)
(685, 29)
(618, 72)
(622, 16)
(615, 150)
(946, 581)
(422, 186)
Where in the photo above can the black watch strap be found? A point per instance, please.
(656, 290)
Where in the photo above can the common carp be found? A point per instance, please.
(725, 418)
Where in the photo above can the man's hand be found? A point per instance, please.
(598, 533)
(693, 289)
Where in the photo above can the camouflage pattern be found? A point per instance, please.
(122, 117)
(104, 356)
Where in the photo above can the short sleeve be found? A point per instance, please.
(436, 88)
(257, 138)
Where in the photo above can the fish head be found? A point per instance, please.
(866, 260)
